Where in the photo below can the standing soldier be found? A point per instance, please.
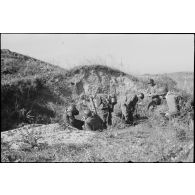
(104, 107)
(112, 103)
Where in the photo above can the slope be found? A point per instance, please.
(37, 92)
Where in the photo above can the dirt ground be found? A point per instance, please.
(144, 142)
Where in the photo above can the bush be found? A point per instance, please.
(23, 102)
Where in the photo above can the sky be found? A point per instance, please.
(131, 53)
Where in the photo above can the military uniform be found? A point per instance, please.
(92, 122)
(130, 108)
(105, 109)
(152, 89)
(126, 107)
(70, 119)
(154, 94)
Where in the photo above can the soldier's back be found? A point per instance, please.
(94, 123)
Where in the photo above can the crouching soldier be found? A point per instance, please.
(125, 108)
(129, 107)
(92, 122)
(70, 119)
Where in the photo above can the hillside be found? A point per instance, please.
(28, 90)
(34, 91)
(34, 95)
(15, 65)
(38, 92)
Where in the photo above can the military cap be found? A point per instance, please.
(151, 81)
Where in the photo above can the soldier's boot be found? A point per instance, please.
(104, 119)
(129, 119)
(110, 120)
(104, 122)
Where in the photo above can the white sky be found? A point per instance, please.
(131, 53)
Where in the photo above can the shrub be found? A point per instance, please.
(21, 102)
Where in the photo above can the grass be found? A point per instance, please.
(151, 140)
(24, 101)
(36, 92)
(145, 142)
(29, 93)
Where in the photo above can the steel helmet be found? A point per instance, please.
(151, 81)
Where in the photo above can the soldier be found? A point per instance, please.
(92, 122)
(156, 94)
(130, 107)
(105, 109)
(112, 103)
(152, 87)
(70, 119)
(126, 107)
(152, 90)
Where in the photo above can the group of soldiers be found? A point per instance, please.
(101, 111)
